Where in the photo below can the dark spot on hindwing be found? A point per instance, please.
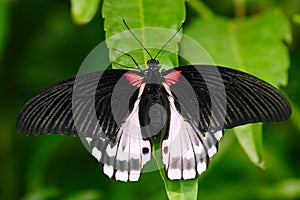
(145, 150)
(165, 150)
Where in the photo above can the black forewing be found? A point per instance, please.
(237, 97)
(88, 103)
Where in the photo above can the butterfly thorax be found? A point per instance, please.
(152, 74)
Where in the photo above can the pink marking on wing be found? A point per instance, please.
(134, 79)
(172, 77)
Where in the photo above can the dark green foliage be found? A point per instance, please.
(40, 45)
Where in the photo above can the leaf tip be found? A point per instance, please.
(261, 165)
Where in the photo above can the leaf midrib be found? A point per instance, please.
(142, 25)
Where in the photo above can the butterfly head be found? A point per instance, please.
(153, 64)
(152, 74)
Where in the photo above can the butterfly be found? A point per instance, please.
(119, 113)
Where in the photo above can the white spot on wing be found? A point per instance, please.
(189, 174)
(218, 135)
(121, 176)
(174, 174)
(111, 150)
(96, 153)
(212, 151)
(134, 175)
(88, 139)
(108, 170)
(201, 167)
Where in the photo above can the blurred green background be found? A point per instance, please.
(40, 45)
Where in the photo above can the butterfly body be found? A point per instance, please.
(153, 110)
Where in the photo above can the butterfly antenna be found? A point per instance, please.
(127, 54)
(167, 42)
(137, 39)
(128, 67)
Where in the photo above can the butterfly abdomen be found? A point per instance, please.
(153, 110)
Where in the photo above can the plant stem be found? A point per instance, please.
(239, 8)
(200, 8)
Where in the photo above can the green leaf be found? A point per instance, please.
(253, 45)
(139, 15)
(250, 138)
(83, 11)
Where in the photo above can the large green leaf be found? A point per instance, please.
(253, 45)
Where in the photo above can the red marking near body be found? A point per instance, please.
(134, 79)
(172, 77)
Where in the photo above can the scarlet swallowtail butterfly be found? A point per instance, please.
(159, 104)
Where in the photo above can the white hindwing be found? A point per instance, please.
(186, 151)
(124, 158)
